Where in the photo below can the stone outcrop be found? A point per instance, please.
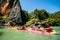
(10, 9)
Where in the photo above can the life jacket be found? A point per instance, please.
(49, 29)
(33, 28)
(23, 29)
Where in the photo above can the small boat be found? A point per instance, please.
(21, 28)
(38, 31)
(42, 31)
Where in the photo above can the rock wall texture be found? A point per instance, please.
(11, 9)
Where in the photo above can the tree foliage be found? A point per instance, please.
(31, 21)
(54, 19)
(24, 16)
(41, 14)
(37, 15)
(30, 15)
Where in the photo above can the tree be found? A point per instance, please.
(31, 21)
(55, 15)
(24, 16)
(41, 14)
(54, 19)
(30, 15)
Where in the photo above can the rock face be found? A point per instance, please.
(11, 9)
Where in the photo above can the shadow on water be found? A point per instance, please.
(57, 34)
(2, 27)
(1, 33)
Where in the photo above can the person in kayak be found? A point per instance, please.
(38, 27)
(23, 28)
(32, 25)
(49, 29)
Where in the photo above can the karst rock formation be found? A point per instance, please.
(11, 9)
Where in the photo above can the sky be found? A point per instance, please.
(49, 5)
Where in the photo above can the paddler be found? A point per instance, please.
(32, 25)
(49, 29)
(23, 28)
(38, 27)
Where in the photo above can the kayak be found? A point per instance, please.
(21, 29)
(38, 31)
(42, 31)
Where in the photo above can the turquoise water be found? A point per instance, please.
(13, 34)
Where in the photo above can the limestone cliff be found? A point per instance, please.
(10, 9)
